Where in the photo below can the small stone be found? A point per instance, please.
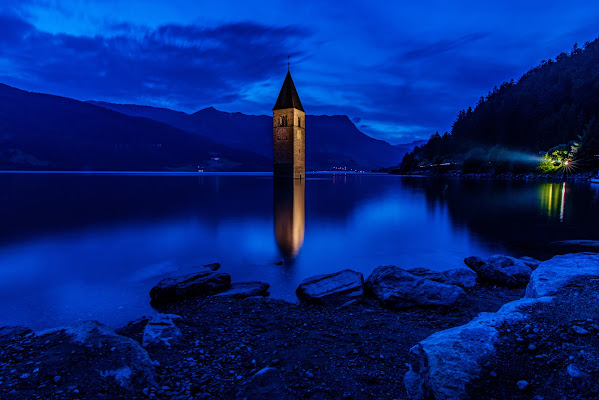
(580, 330)
(56, 378)
(532, 347)
(310, 375)
(24, 376)
(522, 385)
(576, 372)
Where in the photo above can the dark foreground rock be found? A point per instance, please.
(500, 270)
(465, 278)
(397, 288)
(86, 360)
(533, 263)
(552, 330)
(332, 289)
(202, 283)
(436, 276)
(243, 290)
(161, 330)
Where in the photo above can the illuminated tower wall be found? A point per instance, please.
(289, 133)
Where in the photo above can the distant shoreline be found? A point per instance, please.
(577, 177)
(182, 173)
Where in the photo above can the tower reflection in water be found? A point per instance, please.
(289, 216)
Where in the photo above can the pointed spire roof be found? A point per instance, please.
(288, 97)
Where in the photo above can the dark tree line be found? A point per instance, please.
(555, 103)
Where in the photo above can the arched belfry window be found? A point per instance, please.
(283, 120)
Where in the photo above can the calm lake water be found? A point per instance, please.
(81, 246)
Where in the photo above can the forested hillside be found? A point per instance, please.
(551, 114)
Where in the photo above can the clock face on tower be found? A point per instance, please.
(281, 134)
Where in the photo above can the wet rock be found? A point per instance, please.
(533, 263)
(397, 288)
(553, 274)
(433, 276)
(464, 277)
(243, 290)
(202, 283)
(161, 331)
(500, 270)
(331, 289)
(128, 365)
(212, 267)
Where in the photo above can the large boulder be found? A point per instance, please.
(555, 273)
(202, 283)
(500, 270)
(533, 263)
(397, 288)
(433, 276)
(443, 365)
(161, 331)
(243, 290)
(103, 355)
(331, 289)
(464, 277)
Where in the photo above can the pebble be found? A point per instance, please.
(532, 347)
(24, 376)
(522, 385)
(575, 371)
(580, 330)
(56, 378)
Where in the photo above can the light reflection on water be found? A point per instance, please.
(78, 247)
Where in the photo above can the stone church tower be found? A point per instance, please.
(288, 133)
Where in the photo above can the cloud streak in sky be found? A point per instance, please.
(174, 65)
(403, 70)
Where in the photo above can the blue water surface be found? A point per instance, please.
(90, 246)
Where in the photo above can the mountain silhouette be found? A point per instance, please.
(330, 140)
(46, 132)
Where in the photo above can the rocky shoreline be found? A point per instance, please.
(502, 328)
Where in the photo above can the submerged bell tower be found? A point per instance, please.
(289, 133)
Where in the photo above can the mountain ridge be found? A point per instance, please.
(44, 131)
(332, 141)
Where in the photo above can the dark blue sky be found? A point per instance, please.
(400, 71)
